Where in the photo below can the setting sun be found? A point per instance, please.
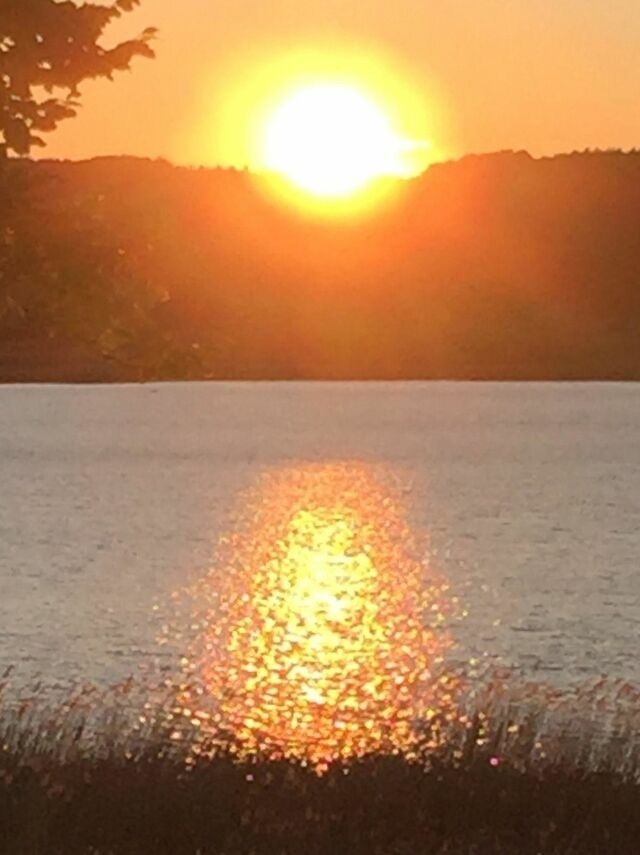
(326, 128)
(331, 140)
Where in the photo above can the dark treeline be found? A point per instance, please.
(495, 266)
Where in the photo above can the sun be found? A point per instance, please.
(324, 129)
(332, 140)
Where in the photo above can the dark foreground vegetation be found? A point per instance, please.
(511, 782)
(383, 805)
(499, 266)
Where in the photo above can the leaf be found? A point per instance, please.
(17, 135)
(56, 46)
(127, 5)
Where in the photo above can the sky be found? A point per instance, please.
(547, 76)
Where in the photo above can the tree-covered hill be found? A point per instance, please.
(494, 266)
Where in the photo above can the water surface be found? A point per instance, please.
(112, 498)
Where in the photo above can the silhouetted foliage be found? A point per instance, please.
(87, 777)
(387, 806)
(497, 266)
(53, 46)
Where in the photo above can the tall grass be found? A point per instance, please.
(522, 770)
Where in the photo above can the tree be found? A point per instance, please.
(47, 48)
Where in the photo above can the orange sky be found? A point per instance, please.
(545, 75)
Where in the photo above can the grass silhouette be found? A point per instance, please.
(86, 777)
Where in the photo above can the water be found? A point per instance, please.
(112, 498)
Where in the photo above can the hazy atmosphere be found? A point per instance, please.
(544, 76)
(319, 419)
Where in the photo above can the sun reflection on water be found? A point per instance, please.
(320, 631)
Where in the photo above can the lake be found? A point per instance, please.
(528, 495)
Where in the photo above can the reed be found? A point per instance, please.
(523, 771)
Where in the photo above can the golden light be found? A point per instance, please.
(319, 633)
(327, 127)
(332, 140)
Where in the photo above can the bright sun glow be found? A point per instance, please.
(322, 127)
(332, 140)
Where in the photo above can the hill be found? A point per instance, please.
(497, 266)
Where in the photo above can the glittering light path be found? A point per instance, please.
(319, 632)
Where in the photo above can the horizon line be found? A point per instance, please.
(246, 169)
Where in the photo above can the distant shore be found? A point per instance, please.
(68, 363)
(494, 267)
